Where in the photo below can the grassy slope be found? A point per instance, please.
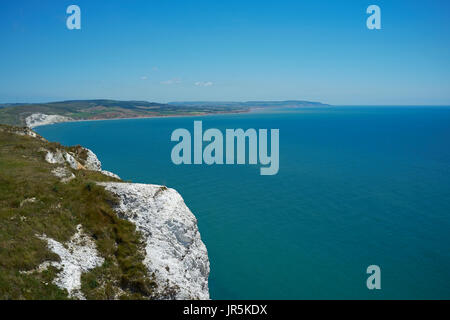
(58, 209)
(104, 109)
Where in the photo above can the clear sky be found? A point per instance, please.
(226, 50)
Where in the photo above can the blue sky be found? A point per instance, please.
(226, 50)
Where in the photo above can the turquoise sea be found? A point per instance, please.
(357, 186)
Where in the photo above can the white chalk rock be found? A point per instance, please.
(79, 255)
(73, 163)
(61, 157)
(40, 119)
(92, 162)
(55, 157)
(110, 174)
(174, 249)
(64, 174)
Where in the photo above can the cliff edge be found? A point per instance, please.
(69, 229)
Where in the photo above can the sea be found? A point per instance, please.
(357, 186)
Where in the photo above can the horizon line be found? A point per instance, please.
(234, 101)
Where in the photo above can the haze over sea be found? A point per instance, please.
(357, 186)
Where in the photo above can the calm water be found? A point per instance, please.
(356, 186)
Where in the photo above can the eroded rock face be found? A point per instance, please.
(110, 174)
(77, 256)
(92, 162)
(55, 157)
(62, 157)
(73, 163)
(40, 119)
(174, 249)
(64, 174)
(26, 132)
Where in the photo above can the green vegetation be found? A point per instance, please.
(34, 202)
(15, 114)
(251, 104)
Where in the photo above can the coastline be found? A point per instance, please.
(144, 117)
(248, 111)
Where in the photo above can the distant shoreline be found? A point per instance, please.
(247, 111)
(147, 117)
(38, 114)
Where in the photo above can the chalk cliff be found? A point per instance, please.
(40, 119)
(174, 249)
(173, 253)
